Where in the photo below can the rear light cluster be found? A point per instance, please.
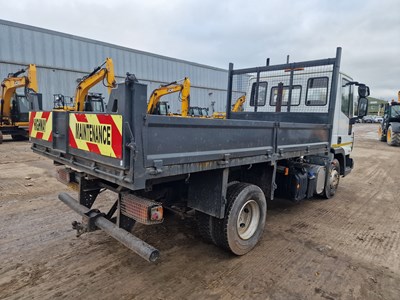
(67, 176)
(142, 210)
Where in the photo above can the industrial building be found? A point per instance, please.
(63, 58)
(375, 106)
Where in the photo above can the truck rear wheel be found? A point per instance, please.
(333, 179)
(381, 136)
(205, 227)
(243, 225)
(393, 138)
(205, 222)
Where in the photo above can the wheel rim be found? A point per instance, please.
(389, 136)
(248, 219)
(334, 179)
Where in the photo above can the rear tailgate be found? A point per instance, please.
(96, 133)
(41, 126)
(94, 137)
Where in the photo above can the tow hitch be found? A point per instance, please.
(88, 222)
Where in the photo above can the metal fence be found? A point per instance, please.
(304, 87)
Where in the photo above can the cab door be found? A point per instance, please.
(344, 132)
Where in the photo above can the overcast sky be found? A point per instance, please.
(243, 32)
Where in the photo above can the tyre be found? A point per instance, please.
(333, 178)
(243, 225)
(205, 227)
(205, 222)
(232, 183)
(381, 136)
(1, 137)
(19, 137)
(392, 138)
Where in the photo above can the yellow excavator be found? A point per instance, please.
(83, 101)
(160, 108)
(237, 107)
(14, 107)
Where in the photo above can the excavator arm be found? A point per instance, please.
(104, 72)
(170, 88)
(238, 106)
(12, 83)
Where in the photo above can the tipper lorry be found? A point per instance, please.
(293, 139)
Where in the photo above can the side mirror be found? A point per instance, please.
(362, 107)
(363, 91)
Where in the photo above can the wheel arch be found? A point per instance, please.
(340, 155)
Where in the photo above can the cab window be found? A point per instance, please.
(262, 93)
(347, 98)
(317, 91)
(296, 95)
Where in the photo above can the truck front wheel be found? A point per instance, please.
(243, 225)
(333, 179)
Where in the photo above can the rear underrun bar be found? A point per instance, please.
(140, 247)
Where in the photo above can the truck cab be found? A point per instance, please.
(347, 110)
(309, 93)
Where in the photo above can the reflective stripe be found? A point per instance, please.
(41, 125)
(96, 133)
(341, 145)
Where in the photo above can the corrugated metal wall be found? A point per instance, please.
(62, 58)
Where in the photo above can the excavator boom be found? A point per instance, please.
(104, 72)
(170, 88)
(237, 107)
(32, 79)
(9, 86)
(239, 104)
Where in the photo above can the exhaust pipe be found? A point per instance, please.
(138, 246)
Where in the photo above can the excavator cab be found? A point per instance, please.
(198, 112)
(62, 102)
(94, 102)
(83, 100)
(162, 108)
(15, 107)
(19, 108)
(182, 86)
(204, 112)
